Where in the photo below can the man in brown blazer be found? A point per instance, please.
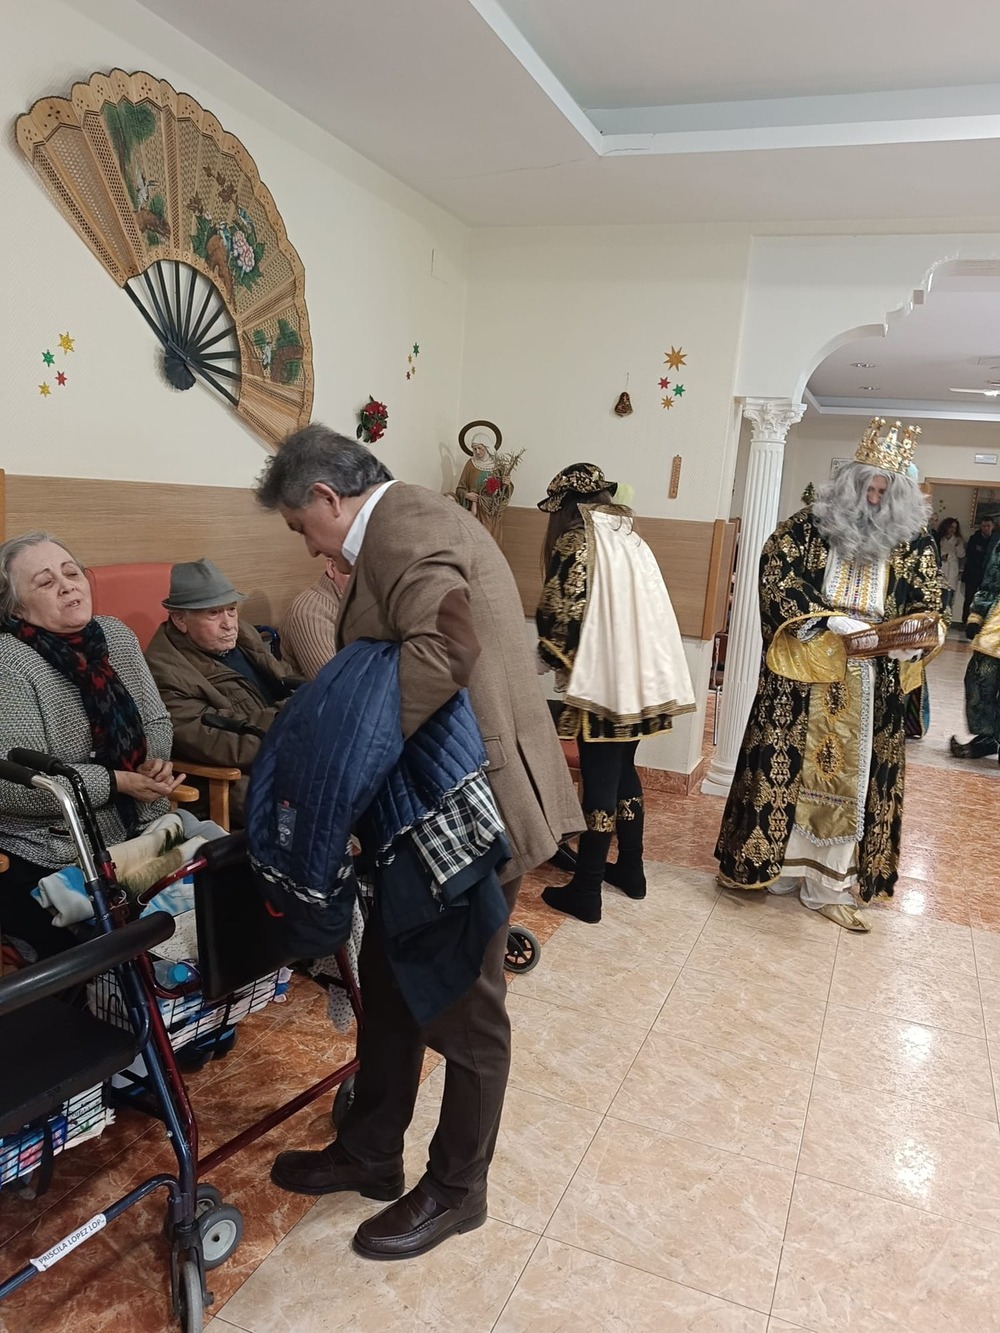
(426, 575)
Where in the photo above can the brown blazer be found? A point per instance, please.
(432, 579)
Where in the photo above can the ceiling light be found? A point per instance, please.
(864, 365)
(869, 388)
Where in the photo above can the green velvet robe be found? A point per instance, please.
(760, 811)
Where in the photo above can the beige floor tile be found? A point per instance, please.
(614, 979)
(745, 1017)
(697, 1215)
(855, 1264)
(781, 1326)
(675, 888)
(946, 1070)
(899, 939)
(901, 1150)
(564, 1288)
(735, 1102)
(939, 996)
(989, 992)
(987, 947)
(574, 1057)
(540, 1145)
(314, 1283)
(744, 952)
(775, 914)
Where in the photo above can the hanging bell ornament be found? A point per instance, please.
(623, 407)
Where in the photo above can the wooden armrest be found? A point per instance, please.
(210, 771)
(184, 795)
(4, 863)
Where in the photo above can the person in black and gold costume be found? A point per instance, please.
(982, 675)
(817, 798)
(607, 628)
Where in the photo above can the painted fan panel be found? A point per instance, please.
(149, 179)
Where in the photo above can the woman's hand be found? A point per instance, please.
(160, 770)
(142, 787)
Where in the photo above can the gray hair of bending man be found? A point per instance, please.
(860, 531)
(9, 551)
(317, 454)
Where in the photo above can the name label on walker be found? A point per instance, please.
(69, 1243)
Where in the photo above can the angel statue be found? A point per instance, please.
(485, 486)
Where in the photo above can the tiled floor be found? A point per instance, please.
(725, 1116)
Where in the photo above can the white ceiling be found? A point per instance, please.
(582, 111)
(950, 341)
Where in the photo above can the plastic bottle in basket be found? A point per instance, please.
(281, 985)
(170, 974)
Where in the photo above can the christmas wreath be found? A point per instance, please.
(372, 421)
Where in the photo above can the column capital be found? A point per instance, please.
(771, 417)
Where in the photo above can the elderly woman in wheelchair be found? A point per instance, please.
(77, 687)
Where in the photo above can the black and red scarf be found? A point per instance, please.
(115, 721)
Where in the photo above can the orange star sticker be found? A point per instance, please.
(44, 390)
(675, 358)
(66, 342)
(668, 401)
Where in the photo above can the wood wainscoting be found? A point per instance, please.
(118, 522)
(696, 560)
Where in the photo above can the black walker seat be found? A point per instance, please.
(50, 1049)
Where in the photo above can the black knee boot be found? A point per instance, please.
(581, 897)
(627, 873)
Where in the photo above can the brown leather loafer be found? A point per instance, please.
(415, 1225)
(329, 1171)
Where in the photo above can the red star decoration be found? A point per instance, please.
(60, 377)
(664, 384)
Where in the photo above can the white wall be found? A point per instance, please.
(365, 240)
(808, 295)
(556, 320)
(946, 451)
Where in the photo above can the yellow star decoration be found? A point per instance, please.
(66, 342)
(668, 401)
(675, 358)
(44, 390)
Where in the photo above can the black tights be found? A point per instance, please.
(609, 777)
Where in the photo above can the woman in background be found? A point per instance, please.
(607, 628)
(308, 631)
(952, 548)
(77, 687)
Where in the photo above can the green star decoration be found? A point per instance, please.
(678, 390)
(416, 349)
(48, 358)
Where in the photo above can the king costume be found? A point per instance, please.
(817, 796)
(982, 675)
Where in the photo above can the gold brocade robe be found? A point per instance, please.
(760, 810)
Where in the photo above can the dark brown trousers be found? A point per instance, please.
(473, 1035)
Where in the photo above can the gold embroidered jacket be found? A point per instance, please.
(760, 810)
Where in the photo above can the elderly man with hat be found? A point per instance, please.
(204, 663)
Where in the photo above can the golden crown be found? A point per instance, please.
(893, 451)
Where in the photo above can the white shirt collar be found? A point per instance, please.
(356, 535)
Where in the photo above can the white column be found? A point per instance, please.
(770, 419)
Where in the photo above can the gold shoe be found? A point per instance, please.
(848, 917)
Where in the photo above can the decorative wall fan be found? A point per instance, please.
(174, 209)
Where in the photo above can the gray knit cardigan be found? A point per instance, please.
(39, 708)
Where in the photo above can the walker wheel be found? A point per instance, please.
(221, 1230)
(190, 1298)
(523, 950)
(207, 1197)
(343, 1102)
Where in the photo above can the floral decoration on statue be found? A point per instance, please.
(372, 421)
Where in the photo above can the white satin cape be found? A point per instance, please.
(630, 664)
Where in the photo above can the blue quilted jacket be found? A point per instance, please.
(335, 758)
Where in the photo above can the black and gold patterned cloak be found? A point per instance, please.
(760, 811)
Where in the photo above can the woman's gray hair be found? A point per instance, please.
(318, 454)
(862, 531)
(9, 551)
